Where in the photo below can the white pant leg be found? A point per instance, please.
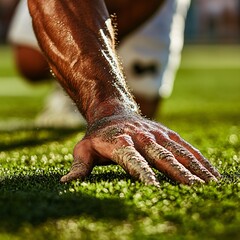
(21, 31)
(151, 55)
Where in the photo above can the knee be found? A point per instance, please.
(31, 64)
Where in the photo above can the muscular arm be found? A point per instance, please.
(78, 41)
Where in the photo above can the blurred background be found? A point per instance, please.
(208, 21)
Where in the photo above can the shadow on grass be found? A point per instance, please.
(33, 200)
(30, 137)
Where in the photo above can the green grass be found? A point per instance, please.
(204, 109)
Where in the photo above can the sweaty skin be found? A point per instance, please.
(78, 41)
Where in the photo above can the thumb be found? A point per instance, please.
(82, 164)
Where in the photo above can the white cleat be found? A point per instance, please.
(60, 111)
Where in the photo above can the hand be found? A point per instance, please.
(137, 144)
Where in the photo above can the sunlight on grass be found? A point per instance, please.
(204, 108)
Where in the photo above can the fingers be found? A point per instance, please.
(172, 158)
(196, 154)
(164, 161)
(82, 163)
(79, 170)
(133, 163)
(188, 160)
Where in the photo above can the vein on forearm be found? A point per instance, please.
(78, 41)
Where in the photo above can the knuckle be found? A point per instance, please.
(124, 140)
(145, 138)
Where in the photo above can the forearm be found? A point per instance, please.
(78, 41)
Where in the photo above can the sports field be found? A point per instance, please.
(204, 109)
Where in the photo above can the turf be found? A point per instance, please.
(204, 108)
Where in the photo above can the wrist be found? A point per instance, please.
(110, 108)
